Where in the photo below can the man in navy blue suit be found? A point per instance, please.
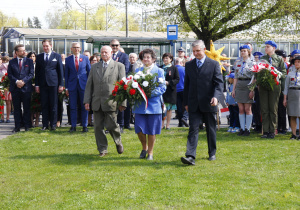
(203, 86)
(77, 69)
(48, 82)
(20, 73)
(122, 58)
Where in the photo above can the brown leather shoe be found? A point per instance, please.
(120, 148)
(102, 154)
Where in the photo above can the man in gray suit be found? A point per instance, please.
(203, 85)
(99, 86)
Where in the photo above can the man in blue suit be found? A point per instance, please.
(122, 58)
(20, 73)
(77, 69)
(48, 82)
(203, 86)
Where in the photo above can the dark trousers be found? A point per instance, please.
(269, 107)
(74, 97)
(60, 110)
(120, 119)
(256, 110)
(19, 98)
(281, 114)
(234, 116)
(180, 107)
(49, 97)
(127, 115)
(210, 123)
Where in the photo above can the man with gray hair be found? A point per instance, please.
(99, 86)
(203, 86)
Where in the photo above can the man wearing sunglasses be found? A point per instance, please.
(121, 57)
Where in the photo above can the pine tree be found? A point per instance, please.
(29, 23)
(36, 22)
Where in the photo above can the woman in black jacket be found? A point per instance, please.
(172, 79)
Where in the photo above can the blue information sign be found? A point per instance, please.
(172, 32)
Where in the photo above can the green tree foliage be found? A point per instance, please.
(29, 23)
(216, 19)
(8, 21)
(36, 22)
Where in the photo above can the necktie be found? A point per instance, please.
(47, 58)
(114, 56)
(76, 63)
(20, 64)
(104, 67)
(199, 63)
(270, 59)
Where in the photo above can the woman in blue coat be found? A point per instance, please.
(148, 121)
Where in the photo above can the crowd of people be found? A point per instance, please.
(39, 84)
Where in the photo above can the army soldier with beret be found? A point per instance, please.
(269, 98)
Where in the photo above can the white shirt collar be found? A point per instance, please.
(202, 60)
(105, 62)
(46, 55)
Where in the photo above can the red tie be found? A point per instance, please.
(20, 64)
(76, 63)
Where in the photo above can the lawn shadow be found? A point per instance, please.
(87, 159)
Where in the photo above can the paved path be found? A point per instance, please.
(6, 128)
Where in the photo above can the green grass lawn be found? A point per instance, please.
(58, 170)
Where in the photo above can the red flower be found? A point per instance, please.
(132, 91)
(277, 83)
(122, 82)
(80, 59)
(267, 65)
(292, 79)
(273, 73)
(238, 65)
(114, 94)
(125, 87)
(6, 74)
(116, 89)
(1, 113)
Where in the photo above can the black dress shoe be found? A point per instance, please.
(188, 160)
(120, 148)
(241, 132)
(143, 154)
(265, 135)
(53, 128)
(271, 135)
(85, 130)
(185, 122)
(26, 129)
(15, 130)
(44, 128)
(213, 157)
(246, 132)
(72, 129)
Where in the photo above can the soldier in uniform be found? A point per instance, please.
(269, 98)
(243, 96)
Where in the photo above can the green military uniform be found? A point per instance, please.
(269, 98)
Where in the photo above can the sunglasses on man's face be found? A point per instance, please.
(114, 45)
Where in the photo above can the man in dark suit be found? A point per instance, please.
(77, 70)
(98, 88)
(122, 58)
(203, 85)
(20, 73)
(49, 81)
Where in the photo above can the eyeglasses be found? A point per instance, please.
(114, 45)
